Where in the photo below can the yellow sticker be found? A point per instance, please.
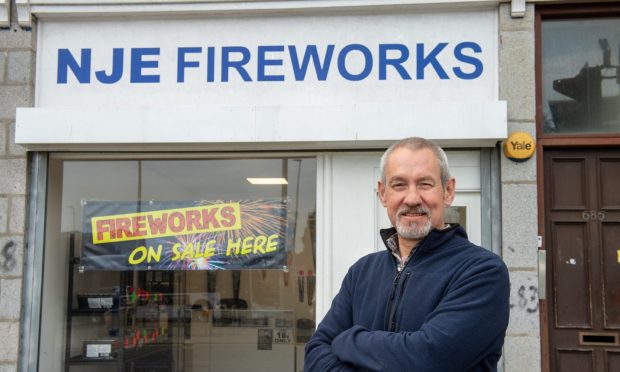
(618, 255)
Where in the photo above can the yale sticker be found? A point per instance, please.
(519, 146)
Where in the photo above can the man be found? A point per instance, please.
(433, 301)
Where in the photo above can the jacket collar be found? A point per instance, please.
(434, 239)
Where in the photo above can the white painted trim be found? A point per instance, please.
(517, 8)
(338, 126)
(5, 13)
(44, 9)
(24, 15)
(48, 8)
(379, 219)
(262, 3)
(324, 249)
(22, 9)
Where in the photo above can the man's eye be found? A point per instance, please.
(426, 185)
(398, 185)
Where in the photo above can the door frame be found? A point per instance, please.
(564, 334)
(478, 180)
(568, 141)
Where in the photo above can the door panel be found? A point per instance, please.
(574, 360)
(611, 269)
(582, 218)
(613, 361)
(572, 291)
(610, 179)
(573, 197)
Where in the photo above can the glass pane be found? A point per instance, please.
(581, 88)
(186, 314)
(454, 214)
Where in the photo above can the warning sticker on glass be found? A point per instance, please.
(282, 336)
(265, 336)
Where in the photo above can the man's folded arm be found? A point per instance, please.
(455, 336)
(319, 354)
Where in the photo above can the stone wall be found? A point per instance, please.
(518, 188)
(16, 90)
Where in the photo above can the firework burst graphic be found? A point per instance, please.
(258, 218)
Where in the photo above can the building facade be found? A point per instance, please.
(146, 146)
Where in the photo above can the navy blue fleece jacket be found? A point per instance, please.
(447, 310)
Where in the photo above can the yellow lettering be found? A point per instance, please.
(272, 243)
(154, 255)
(209, 249)
(188, 250)
(177, 253)
(247, 245)
(236, 244)
(166, 222)
(259, 244)
(141, 251)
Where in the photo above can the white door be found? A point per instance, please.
(350, 214)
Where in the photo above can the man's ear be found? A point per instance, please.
(381, 192)
(448, 196)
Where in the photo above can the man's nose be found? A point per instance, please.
(412, 197)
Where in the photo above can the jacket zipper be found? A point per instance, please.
(388, 308)
(390, 321)
(400, 297)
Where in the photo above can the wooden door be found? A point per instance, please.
(582, 228)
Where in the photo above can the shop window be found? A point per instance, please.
(580, 76)
(179, 265)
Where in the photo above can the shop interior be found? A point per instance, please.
(201, 318)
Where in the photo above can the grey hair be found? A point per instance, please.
(415, 144)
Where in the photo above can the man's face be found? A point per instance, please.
(413, 194)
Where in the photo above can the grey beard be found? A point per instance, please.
(413, 231)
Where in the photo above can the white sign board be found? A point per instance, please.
(269, 61)
(262, 66)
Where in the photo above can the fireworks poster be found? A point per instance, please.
(206, 235)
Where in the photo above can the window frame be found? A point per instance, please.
(41, 164)
(567, 12)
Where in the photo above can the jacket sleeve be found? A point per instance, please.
(462, 330)
(319, 355)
